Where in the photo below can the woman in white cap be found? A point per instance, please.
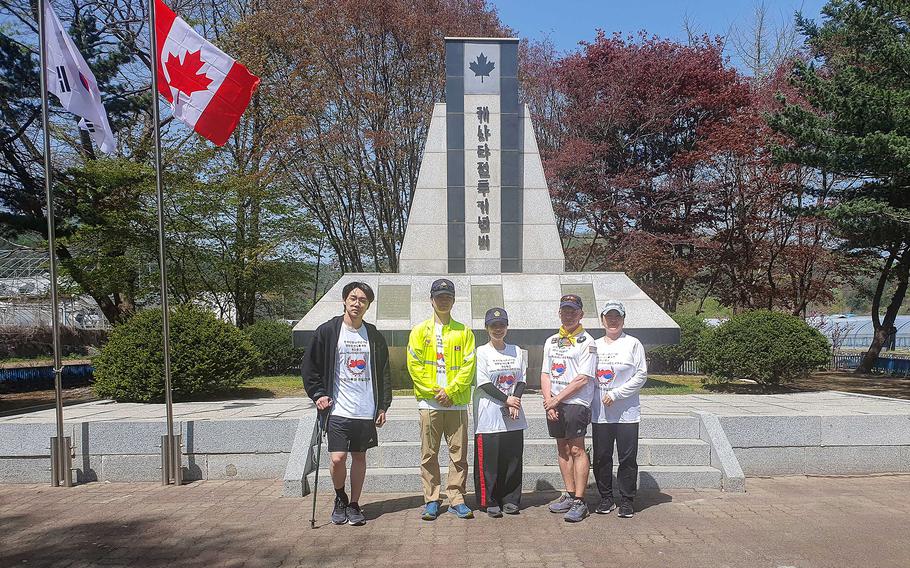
(499, 421)
(616, 411)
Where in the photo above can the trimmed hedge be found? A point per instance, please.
(207, 355)
(767, 347)
(668, 358)
(274, 341)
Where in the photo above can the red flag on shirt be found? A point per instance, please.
(207, 89)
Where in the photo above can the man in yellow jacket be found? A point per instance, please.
(441, 365)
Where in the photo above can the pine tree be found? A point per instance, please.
(855, 121)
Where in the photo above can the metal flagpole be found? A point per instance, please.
(60, 464)
(170, 451)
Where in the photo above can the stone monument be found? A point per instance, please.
(483, 218)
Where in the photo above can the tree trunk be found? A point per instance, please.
(114, 312)
(885, 329)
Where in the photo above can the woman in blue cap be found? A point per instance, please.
(499, 421)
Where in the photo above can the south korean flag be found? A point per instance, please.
(69, 77)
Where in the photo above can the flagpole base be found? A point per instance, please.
(61, 462)
(172, 460)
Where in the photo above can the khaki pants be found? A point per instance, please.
(454, 424)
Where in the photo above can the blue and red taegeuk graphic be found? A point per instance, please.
(357, 366)
(557, 368)
(505, 382)
(605, 376)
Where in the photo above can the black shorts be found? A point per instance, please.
(351, 434)
(572, 421)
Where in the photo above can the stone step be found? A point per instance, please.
(407, 428)
(651, 451)
(534, 478)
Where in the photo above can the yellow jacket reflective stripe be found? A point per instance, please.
(458, 347)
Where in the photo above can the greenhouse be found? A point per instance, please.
(855, 332)
(25, 293)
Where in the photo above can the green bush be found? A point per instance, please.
(207, 355)
(668, 358)
(274, 342)
(767, 347)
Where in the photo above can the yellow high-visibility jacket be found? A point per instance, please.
(458, 347)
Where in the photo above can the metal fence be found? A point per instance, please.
(895, 364)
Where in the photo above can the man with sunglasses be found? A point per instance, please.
(567, 383)
(346, 373)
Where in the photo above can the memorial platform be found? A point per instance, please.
(688, 441)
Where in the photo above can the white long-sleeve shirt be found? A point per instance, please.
(621, 372)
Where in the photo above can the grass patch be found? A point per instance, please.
(263, 386)
(277, 385)
(673, 384)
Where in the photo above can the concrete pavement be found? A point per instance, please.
(804, 522)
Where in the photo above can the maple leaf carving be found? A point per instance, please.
(482, 67)
(185, 77)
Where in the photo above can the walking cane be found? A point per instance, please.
(320, 430)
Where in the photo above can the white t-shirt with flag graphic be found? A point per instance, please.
(353, 388)
(621, 371)
(564, 360)
(504, 369)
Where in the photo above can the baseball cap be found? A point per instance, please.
(613, 305)
(571, 301)
(442, 286)
(496, 315)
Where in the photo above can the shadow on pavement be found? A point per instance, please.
(151, 541)
(376, 509)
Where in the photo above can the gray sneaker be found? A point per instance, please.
(355, 515)
(578, 512)
(339, 513)
(562, 504)
(494, 512)
(510, 509)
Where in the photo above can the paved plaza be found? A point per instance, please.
(802, 522)
(829, 403)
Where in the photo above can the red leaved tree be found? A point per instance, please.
(661, 165)
(634, 111)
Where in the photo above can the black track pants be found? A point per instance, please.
(497, 468)
(625, 437)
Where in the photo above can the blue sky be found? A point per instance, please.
(567, 22)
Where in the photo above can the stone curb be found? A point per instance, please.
(722, 456)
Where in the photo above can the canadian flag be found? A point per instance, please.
(207, 89)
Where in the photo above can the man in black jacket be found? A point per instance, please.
(346, 373)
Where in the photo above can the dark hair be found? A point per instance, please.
(362, 286)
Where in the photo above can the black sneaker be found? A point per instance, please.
(625, 510)
(606, 505)
(340, 513)
(355, 515)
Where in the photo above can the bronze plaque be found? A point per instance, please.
(484, 297)
(586, 293)
(394, 302)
